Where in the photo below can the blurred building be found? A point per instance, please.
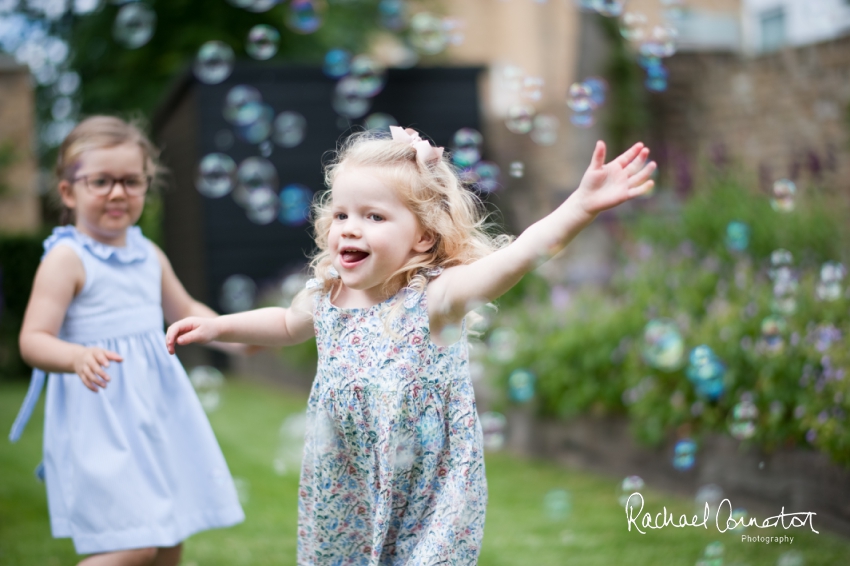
(769, 25)
(20, 208)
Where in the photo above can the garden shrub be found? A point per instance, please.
(587, 352)
(19, 259)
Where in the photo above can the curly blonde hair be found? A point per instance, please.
(454, 215)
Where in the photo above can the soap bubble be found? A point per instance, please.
(214, 62)
(393, 14)
(772, 331)
(207, 382)
(290, 444)
(466, 147)
(503, 344)
(379, 121)
(711, 495)
(829, 287)
(348, 101)
(661, 42)
(258, 6)
(259, 128)
(656, 78)
(532, 88)
(742, 424)
(337, 63)
(254, 173)
(427, 33)
(521, 385)
(262, 42)
(737, 236)
(134, 25)
(486, 176)
(633, 26)
(630, 485)
(369, 74)
(684, 454)
(289, 129)
(238, 293)
(663, 346)
(558, 504)
(712, 555)
(262, 206)
(598, 90)
(582, 119)
(242, 105)
(295, 201)
(519, 119)
(493, 426)
(784, 191)
(305, 16)
(706, 372)
(579, 97)
(545, 129)
(216, 174)
(517, 169)
(791, 558)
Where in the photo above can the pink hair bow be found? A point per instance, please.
(425, 152)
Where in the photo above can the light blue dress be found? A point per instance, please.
(135, 464)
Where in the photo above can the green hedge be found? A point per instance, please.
(588, 356)
(19, 259)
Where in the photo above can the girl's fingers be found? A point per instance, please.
(598, 158)
(643, 175)
(114, 356)
(644, 188)
(629, 155)
(189, 337)
(638, 162)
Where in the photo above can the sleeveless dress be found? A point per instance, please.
(135, 464)
(393, 468)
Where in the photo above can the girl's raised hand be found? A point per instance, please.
(605, 186)
(191, 330)
(89, 366)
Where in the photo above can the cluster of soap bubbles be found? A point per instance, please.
(785, 283)
(783, 197)
(485, 176)
(207, 382)
(523, 92)
(653, 41)
(360, 79)
(830, 283)
(583, 98)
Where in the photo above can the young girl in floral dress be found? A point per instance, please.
(393, 468)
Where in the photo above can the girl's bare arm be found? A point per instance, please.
(603, 186)
(59, 278)
(262, 327)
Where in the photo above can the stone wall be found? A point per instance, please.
(20, 208)
(785, 114)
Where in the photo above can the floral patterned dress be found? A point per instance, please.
(393, 468)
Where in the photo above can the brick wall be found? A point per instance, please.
(774, 116)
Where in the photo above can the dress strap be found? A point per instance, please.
(33, 393)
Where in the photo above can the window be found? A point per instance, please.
(772, 29)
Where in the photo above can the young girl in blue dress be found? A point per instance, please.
(130, 461)
(393, 467)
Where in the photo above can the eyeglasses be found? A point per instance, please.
(102, 185)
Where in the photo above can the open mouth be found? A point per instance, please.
(351, 258)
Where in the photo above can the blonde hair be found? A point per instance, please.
(100, 132)
(453, 214)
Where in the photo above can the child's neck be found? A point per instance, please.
(115, 239)
(347, 298)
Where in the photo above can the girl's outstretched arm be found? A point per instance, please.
(603, 186)
(262, 327)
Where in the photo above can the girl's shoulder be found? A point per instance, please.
(137, 247)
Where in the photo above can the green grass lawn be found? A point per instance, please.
(518, 530)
